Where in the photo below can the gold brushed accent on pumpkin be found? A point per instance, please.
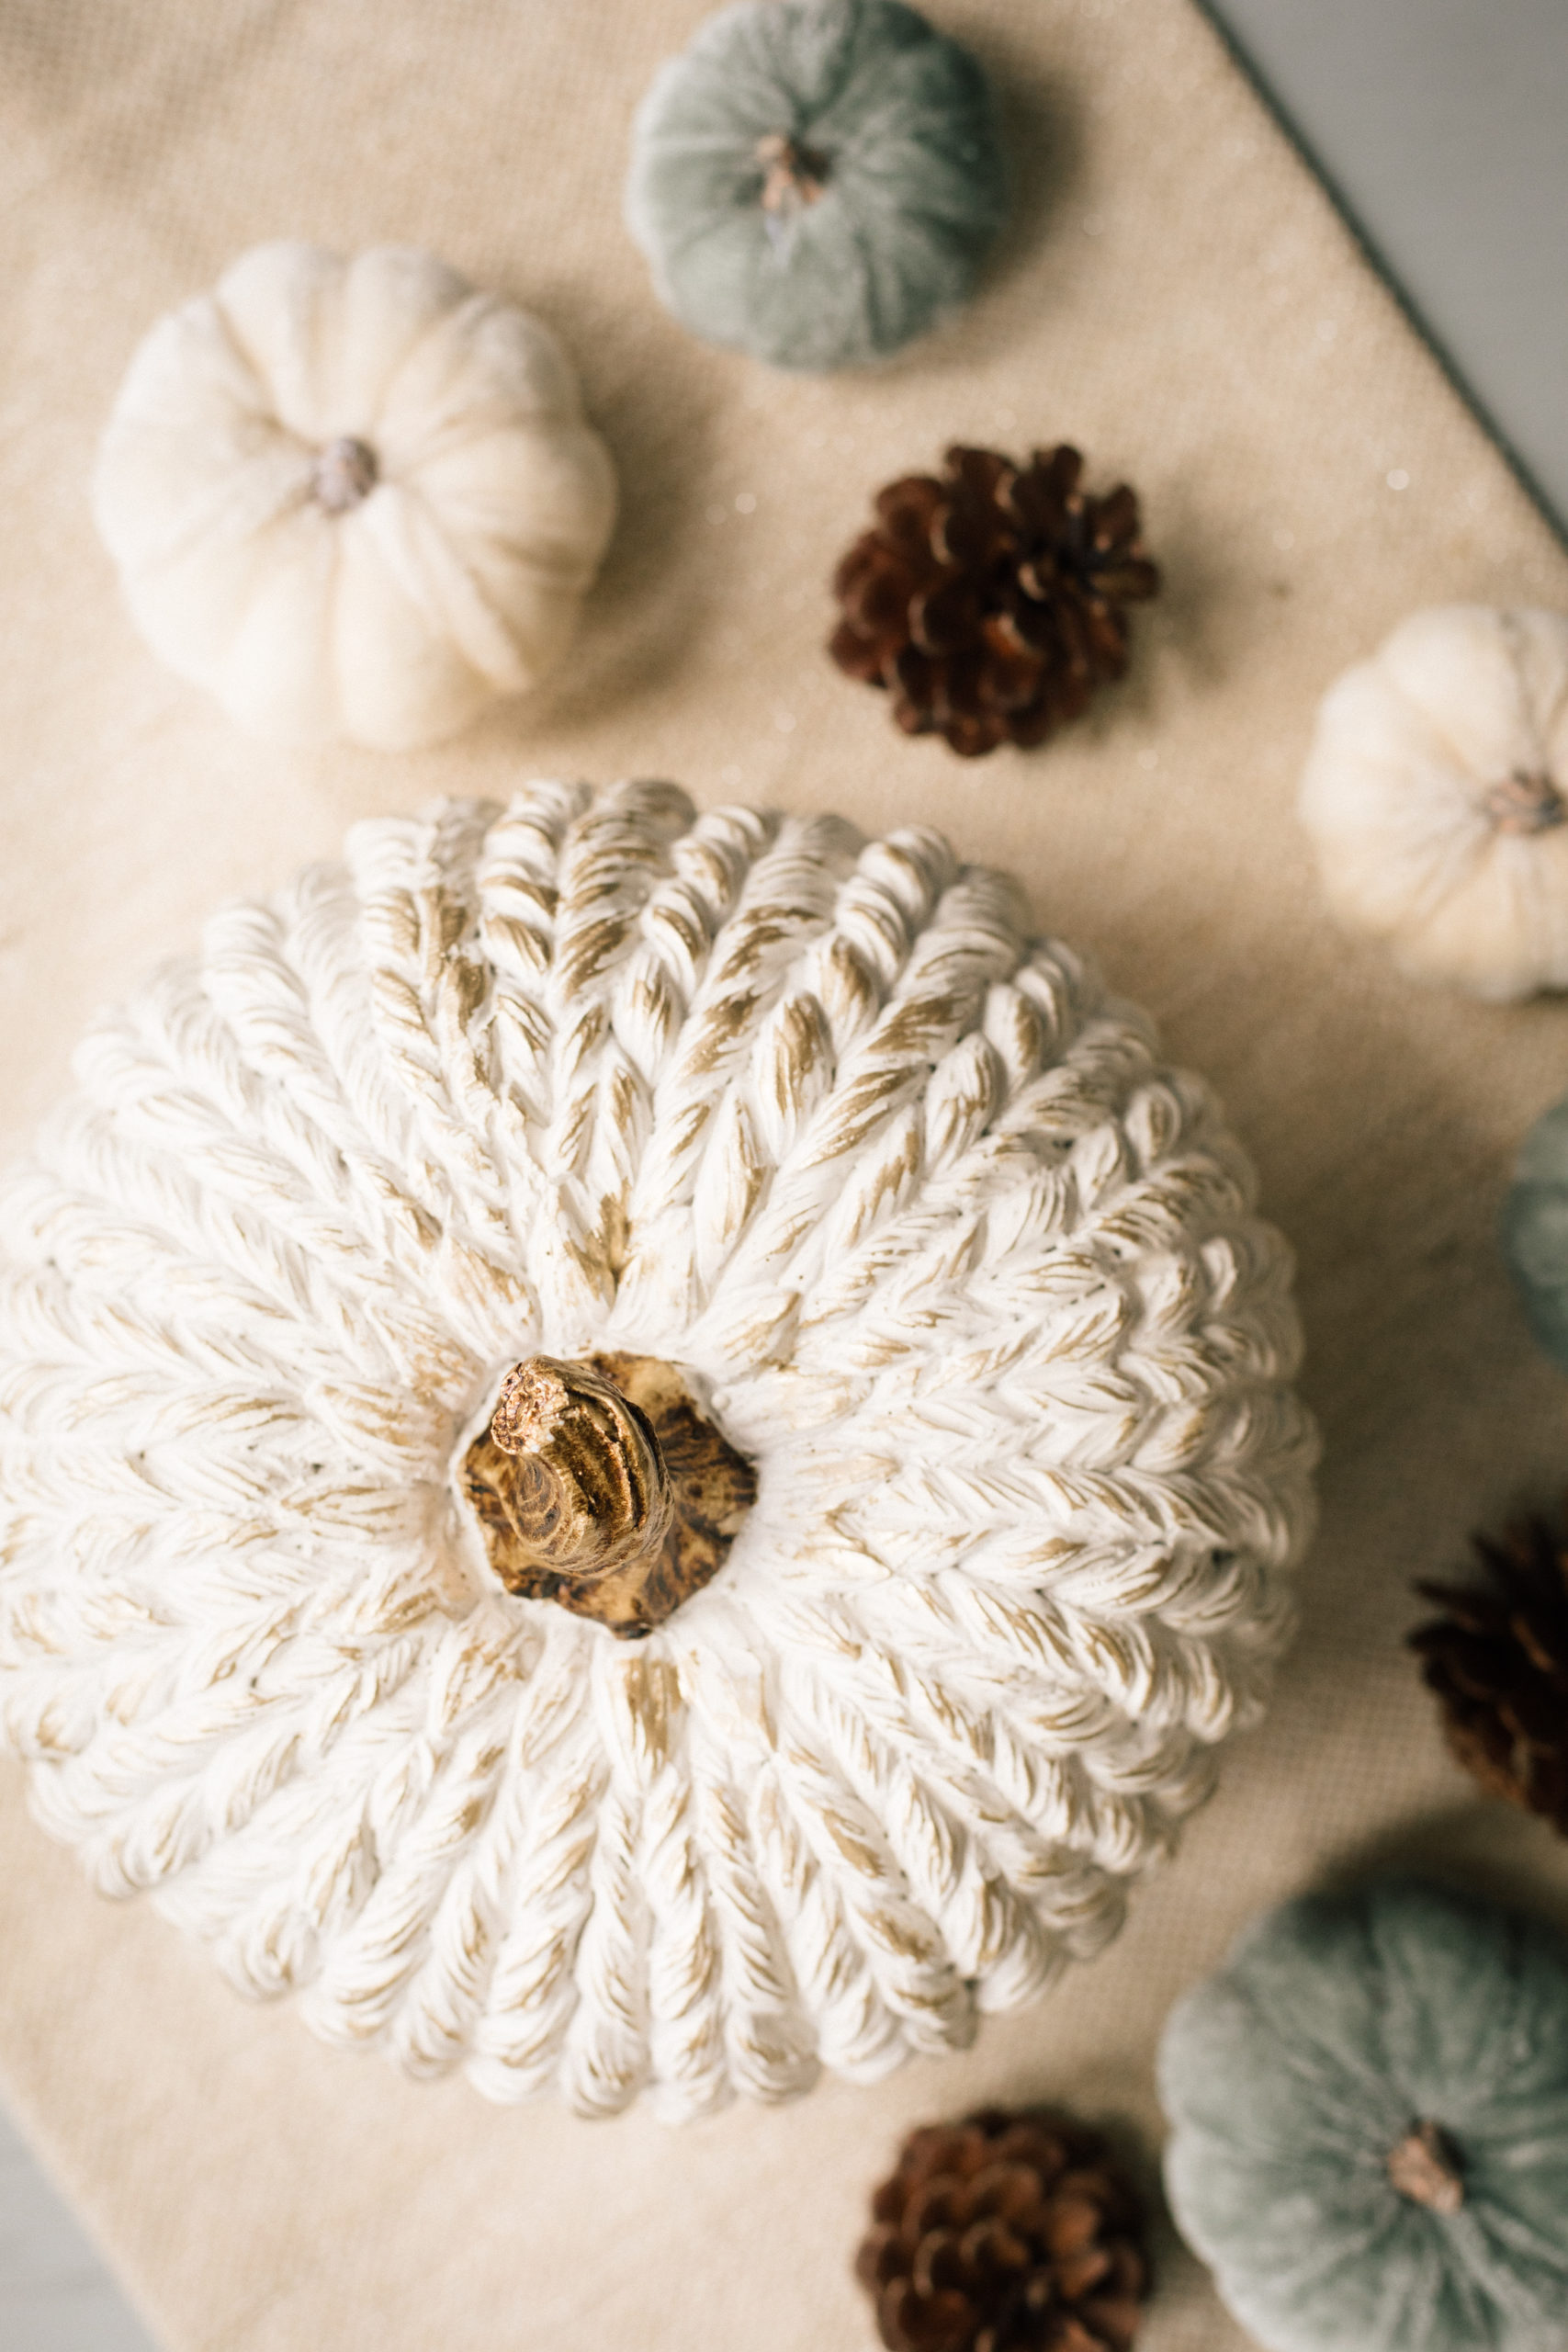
(652, 1688)
(1427, 2168)
(601, 1485)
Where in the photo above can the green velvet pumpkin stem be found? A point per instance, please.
(1427, 2168)
(795, 175)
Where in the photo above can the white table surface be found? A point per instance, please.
(1438, 124)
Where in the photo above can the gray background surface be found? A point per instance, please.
(1438, 124)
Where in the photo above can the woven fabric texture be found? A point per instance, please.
(1176, 297)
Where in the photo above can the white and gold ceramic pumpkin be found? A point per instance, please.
(1436, 793)
(353, 498)
(367, 1594)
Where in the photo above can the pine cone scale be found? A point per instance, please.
(1079, 2272)
(1129, 582)
(938, 2265)
(945, 618)
(1551, 1667)
(905, 510)
(908, 2323)
(857, 656)
(878, 2259)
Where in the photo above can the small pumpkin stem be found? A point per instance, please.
(1427, 2168)
(599, 1485)
(344, 473)
(1524, 803)
(794, 174)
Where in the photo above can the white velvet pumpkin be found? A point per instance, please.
(1435, 792)
(968, 1275)
(353, 498)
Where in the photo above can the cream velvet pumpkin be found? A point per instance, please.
(1436, 791)
(948, 1256)
(353, 498)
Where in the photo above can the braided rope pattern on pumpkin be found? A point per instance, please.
(973, 1279)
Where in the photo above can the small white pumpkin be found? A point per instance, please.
(1436, 791)
(353, 498)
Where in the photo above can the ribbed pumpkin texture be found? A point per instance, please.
(1370, 2112)
(1436, 795)
(915, 1219)
(356, 499)
(816, 181)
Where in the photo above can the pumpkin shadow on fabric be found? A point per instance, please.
(1485, 1847)
(1183, 635)
(1043, 146)
(646, 606)
(1191, 633)
(1180, 2287)
(1192, 623)
(1396, 1355)
(1407, 1318)
(1383, 1164)
(1044, 143)
(1177, 2280)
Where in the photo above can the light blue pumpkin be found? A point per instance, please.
(1535, 1230)
(816, 181)
(1370, 2126)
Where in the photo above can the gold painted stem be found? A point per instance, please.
(599, 1485)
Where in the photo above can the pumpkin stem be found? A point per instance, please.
(1427, 2168)
(794, 174)
(599, 1485)
(344, 473)
(1524, 804)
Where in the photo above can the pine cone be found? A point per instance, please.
(1005, 2233)
(991, 602)
(1498, 1662)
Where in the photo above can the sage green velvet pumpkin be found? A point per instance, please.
(816, 181)
(1370, 2112)
(1535, 1230)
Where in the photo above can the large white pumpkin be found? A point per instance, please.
(971, 1279)
(352, 497)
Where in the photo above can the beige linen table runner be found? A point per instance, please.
(1175, 295)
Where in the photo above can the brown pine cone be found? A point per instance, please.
(1008, 2233)
(990, 602)
(1498, 1662)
